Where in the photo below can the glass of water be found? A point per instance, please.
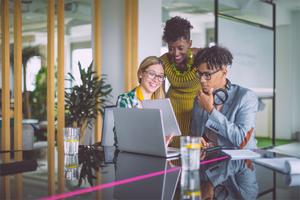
(71, 140)
(190, 185)
(190, 152)
(71, 167)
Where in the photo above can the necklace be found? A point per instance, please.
(139, 94)
(189, 64)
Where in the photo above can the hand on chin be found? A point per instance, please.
(206, 90)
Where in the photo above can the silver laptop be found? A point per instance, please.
(142, 131)
(130, 165)
(170, 122)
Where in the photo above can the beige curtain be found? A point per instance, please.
(131, 44)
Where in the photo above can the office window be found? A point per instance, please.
(85, 57)
(33, 65)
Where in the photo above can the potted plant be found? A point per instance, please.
(84, 102)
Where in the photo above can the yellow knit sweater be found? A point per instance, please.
(182, 91)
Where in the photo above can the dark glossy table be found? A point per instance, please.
(103, 173)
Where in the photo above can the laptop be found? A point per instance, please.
(142, 131)
(130, 165)
(108, 126)
(170, 123)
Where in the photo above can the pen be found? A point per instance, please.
(214, 148)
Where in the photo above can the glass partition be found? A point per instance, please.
(78, 36)
(254, 11)
(246, 29)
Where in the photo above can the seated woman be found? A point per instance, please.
(150, 76)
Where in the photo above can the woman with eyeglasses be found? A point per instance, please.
(150, 76)
(178, 62)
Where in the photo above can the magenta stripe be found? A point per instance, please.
(121, 182)
(107, 185)
(214, 160)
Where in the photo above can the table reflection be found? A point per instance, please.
(160, 185)
(190, 185)
(99, 172)
(71, 167)
(229, 179)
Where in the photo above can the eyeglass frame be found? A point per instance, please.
(207, 75)
(161, 78)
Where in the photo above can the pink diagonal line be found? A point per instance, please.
(107, 185)
(121, 182)
(213, 160)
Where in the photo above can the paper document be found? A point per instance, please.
(292, 179)
(238, 154)
(287, 165)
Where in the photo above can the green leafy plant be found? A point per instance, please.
(84, 102)
(38, 97)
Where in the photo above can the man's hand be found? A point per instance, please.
(203, 143)
(206, 100)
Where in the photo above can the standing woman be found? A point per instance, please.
(177, 63)
(150, 76)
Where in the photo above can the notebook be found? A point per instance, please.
(170, 122)
(142, 131)
(287, 165)
(237, 154)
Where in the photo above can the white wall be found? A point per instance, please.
(113, 45)
(287, 73)
(149, 29)
(149, 38)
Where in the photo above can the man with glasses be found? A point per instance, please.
(223, 113)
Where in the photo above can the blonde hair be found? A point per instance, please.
(147, 62)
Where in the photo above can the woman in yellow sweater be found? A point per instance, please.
(177, 64)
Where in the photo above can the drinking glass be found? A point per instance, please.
(71, 167)
(71, 140)
(190, 152)
(190, 185)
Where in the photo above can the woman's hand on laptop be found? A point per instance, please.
(168, 139)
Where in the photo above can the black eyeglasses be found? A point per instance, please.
(207, 75)
(152, 75)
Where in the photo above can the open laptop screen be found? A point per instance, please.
(170, 122)
(141, 131)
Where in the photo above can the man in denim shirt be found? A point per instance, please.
(223, 114)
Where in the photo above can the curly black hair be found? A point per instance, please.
(215, 57)
(177, 28)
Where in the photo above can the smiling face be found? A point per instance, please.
(178, 50)
(151, 78)
(217, 77)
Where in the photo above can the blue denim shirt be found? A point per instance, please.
(236, 178)
(234, 124)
